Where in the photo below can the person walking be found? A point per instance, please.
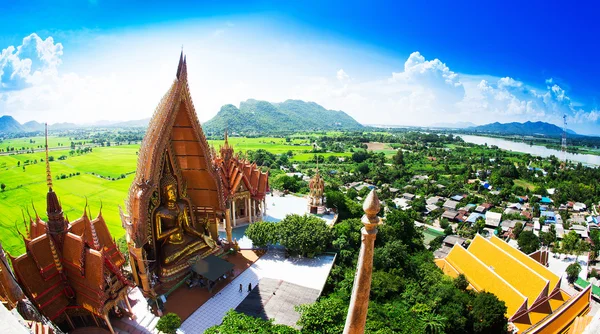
(240, 287)
(249, 287)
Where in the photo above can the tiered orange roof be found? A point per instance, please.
(535, 303)
(69, 265)
(233, 171)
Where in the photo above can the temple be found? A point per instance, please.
(182, 192)
(71, 271)
(532, 294)
(316, 186)
(245, 187)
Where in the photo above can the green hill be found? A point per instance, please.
(523, 129)
(9, 125)
(292, 115)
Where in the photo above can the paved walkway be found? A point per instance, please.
(310, 273)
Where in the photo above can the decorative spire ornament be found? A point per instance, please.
(359, 302)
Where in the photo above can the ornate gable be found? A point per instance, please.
(174, 130)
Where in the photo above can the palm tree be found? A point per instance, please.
(433, 323)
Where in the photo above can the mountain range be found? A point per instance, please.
(522, 129)
(254, 116)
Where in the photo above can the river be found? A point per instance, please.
(542, 151)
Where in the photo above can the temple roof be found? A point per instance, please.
(233, 171)
(174, 131)
(535, 303)
(65, 264)
(528, 282)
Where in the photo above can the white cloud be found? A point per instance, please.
(29, 63)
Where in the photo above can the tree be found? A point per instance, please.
(461, 282)
(363, 168)
(488, 314)
(448, 230)
(433, 323)
(594, 236)
(548, 238)
(418, 204)
(528, 242)
(573, 271)
(326, 316)
(169, 323)
(304, 235)
(399, 158)
(479, 225)
(517, 229)
(262, 234)
(570, 242)
(360, 156)
(235, 322)
(352, 193)
(3, 186)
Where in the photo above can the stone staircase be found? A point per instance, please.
(145, 321)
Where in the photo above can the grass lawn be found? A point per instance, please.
(524, 184)
(271, 144)
(26, 186)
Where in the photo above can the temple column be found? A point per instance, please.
(228, 225)
(138, 260)
(264, 206)
(110, 328)
(129, 307)
(249, 210)
(233, 212)
(359, 302)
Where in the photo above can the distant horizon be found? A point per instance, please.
(100, 123)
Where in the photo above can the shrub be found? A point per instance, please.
(169, 323)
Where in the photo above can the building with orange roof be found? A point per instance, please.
(244, 186)
(71, 271)
(535, 303)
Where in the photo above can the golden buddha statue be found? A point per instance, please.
(178, 238)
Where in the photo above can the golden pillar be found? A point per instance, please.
(359, 302)
(228, 224)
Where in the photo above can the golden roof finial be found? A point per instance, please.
(371, 207)
(48, 175)
(37, 217)
(85, 207)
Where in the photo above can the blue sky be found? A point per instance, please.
(407, 63)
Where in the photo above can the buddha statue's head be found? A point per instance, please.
(169, 188)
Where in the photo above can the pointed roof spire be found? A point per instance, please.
(37, 217)
(180, 66)
(85, 207)
(48, 175)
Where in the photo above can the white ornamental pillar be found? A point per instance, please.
(249, 210)
(233, 212)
